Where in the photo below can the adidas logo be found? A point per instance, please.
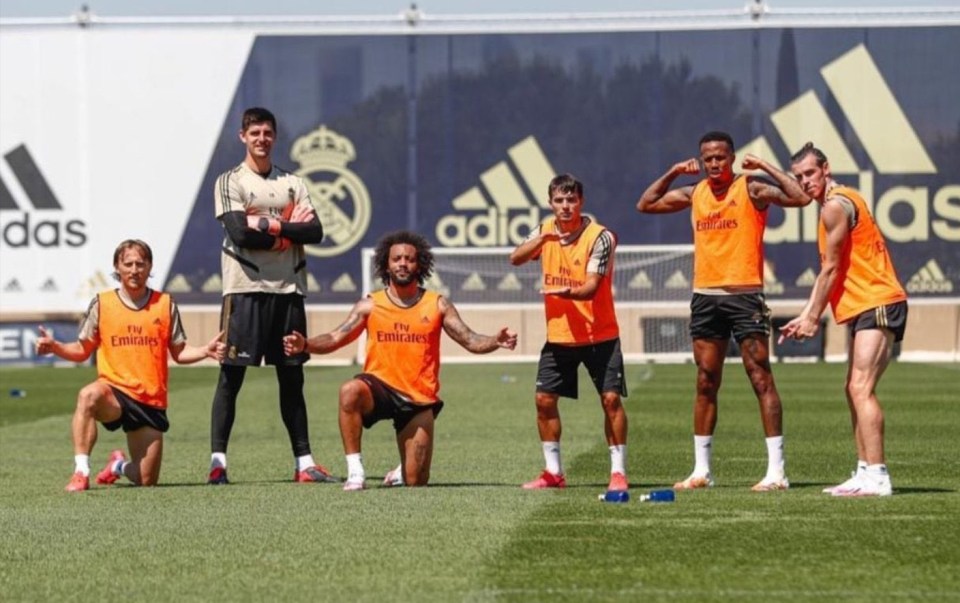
(771, 285)
(14, 286)
(807, 279)
(510, 283)
(867, 103)
(892, 145)
(343, 284)
(640, 280)
(93, 285)
(25, 231)
(178, 284)
(32, 182)
(434, 283)
(474, 283)
(502, 210)
(929, 279)
(214, 284)
(676, 281)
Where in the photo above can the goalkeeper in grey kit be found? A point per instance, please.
(267, 217)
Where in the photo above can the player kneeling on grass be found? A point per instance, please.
(400, 378)
(132, 327)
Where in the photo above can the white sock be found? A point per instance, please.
(218, 459)
(81, 464)
(775, 460)
(861, 466)
(618, 455)
(876, 471)
(702, 451)
(551, 455)
(305, 462)
(118, 467)
(355, 470)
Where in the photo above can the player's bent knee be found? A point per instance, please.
(351, 394)
(88, 397)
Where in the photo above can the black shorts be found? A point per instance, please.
(719, 316)
(255, 323)
(389, 403)
(134, 415)
(559, 364)
(892, 317)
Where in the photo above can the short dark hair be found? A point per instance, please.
(381, 256)
(717, 136)
(257, 115)
(565, 183)
(809, 149)
(145, 251)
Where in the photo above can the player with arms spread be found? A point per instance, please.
(400, 378)
(132, 328)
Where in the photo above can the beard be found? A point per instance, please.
(404, 280)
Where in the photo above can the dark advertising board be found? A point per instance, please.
(456, 136)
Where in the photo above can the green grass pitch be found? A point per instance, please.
(474, 535)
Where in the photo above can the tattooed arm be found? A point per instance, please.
(356, 322)
(466, 337)
(787, 192)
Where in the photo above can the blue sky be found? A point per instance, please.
(64, 8)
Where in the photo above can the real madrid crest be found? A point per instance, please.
(338, 195)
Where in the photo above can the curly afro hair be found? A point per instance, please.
(403, 237)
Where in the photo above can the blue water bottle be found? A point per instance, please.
(658, 496)
(615, 496)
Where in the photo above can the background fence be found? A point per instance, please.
(452, 127)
